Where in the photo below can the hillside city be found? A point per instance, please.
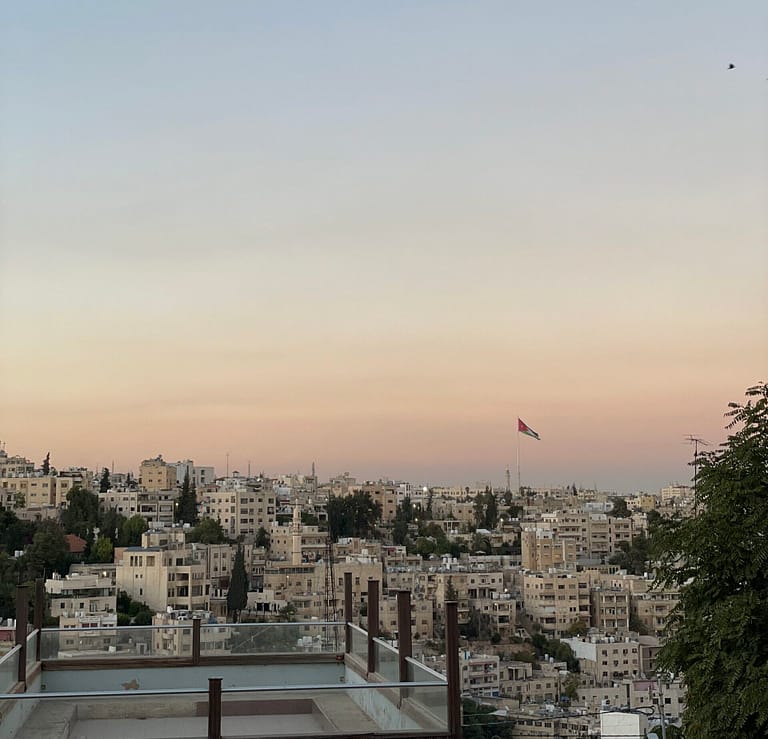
(558, 614)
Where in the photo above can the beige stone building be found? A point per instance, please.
(479, 673)
(38, 491)
(163, 578)
(610, 609)
(155, 475)
(604, 658)
(556, 599)
(156, 507)
(542, 549)
(174, 637)
(242, 512)
(422, 623)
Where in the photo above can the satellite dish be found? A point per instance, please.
(652, 735)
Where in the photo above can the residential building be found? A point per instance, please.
(479, 673)
(556, 599)
(156, 474)
(605, 658)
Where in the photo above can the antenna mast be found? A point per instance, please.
(695, 441)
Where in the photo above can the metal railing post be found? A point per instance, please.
(196, 640)
(348, 612)
(22, 622)
(452, 668)
(373, 622)
(39, 614)
(214, 708)
(404, 639)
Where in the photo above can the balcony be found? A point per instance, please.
(236, 680)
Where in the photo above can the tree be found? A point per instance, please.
(577, 628)
(237, 595)
(111, 526)
(15, 534)
(620, 508)
(81, 515)
(450, 590)
(208, 531)
(399, 532)
(46, 466)
(49, 551)
(10, 572)
(186, 504)
(352, 515)
(104, 482)
(491, 510)
(133, 528)
(262, 538)
(102, 550)
(634, 557)
(570, 687)
(718, 633)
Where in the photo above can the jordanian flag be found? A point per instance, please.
(524, 428)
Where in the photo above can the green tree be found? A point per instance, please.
(634, 557)
(102, 550)
(352, 515)
(10, 574)
(570, 687)
(491, 510)
(399, 532)
(718, 634)
(49, 551)
(425, 546)
(208, 531)
(46, 466)
(133, 528)
(111, 525)
(480, 722)
(15, 534)
(479, 510)
(237, 595)
(620, 508)
(186, 503)
(104, 483)
(262, 538)
(81, 515)
(577, 628)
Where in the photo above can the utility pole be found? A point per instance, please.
(660, 704)
(695, 440)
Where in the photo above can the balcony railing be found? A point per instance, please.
(334, 673)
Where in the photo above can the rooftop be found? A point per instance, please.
(197, 679)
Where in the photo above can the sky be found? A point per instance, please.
(372, 235)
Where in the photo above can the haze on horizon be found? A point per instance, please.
(372, 235)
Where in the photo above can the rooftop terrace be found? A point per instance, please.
(195, 679)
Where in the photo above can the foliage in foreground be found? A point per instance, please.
(718, 558)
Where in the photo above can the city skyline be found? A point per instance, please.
(372, 237)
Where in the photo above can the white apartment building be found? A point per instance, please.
(163, 578)
(605, 658)
(200, 476)
(84, 601)
(80, 599)
(156, 507)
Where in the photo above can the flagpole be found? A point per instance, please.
(519, 486)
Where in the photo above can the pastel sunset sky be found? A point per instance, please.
(372, 234)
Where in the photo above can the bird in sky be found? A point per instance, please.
(731, 66)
